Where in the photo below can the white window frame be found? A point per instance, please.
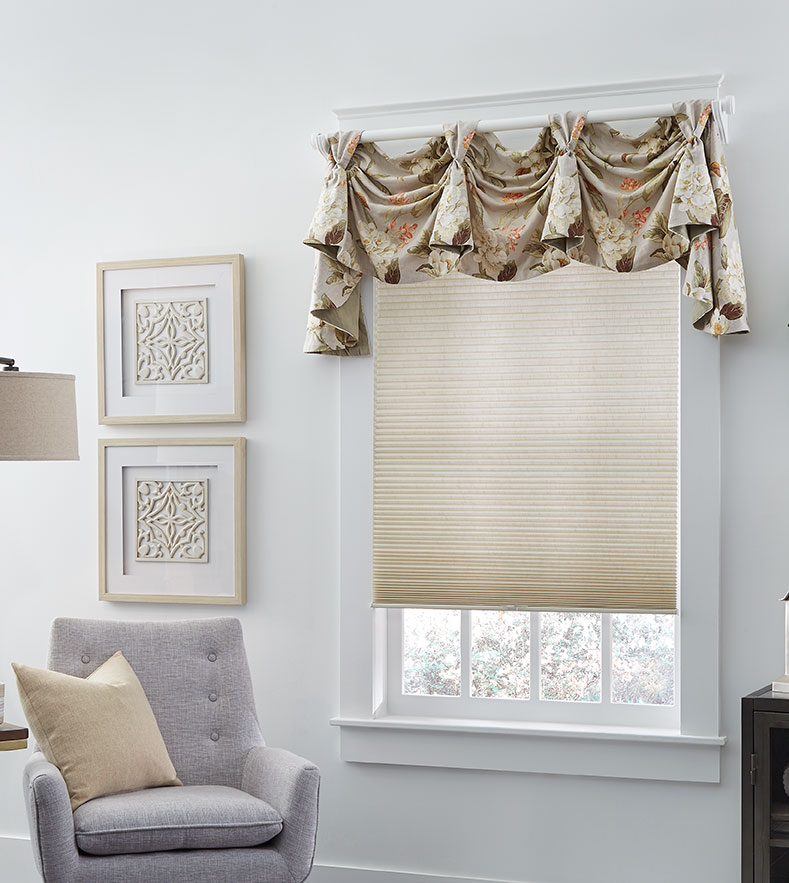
(603, 713)
(689, 752)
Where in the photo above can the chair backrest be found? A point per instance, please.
(196, 677)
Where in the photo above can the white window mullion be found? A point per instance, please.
(605, 651)
(465, 654)
(534, 657)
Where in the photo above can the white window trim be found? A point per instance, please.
(689, 753)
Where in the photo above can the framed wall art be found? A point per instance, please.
(171, 340)
(172, 520)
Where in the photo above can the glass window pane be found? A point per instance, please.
(642, 658)
(500, 654)
(570, 656)
(431, 652)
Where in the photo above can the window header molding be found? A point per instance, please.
(530, 101)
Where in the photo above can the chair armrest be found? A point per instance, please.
(290, 784)
(51, 822)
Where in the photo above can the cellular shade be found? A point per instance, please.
(526, 442)
(38, 416)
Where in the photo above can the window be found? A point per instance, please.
(614, 668)
(381, 723)
(526, 456)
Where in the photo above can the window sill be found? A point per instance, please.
(568, 749)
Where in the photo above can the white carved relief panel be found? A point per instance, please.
(172, 521)
(171, 340)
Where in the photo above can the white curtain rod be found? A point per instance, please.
(723, 108)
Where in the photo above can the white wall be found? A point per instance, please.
(172, 128)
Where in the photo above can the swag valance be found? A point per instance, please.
(583, 192)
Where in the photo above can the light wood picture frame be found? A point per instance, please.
(171, 340)
(172, 520)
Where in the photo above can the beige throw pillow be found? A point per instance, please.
(99, 731)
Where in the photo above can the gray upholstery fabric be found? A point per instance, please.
(50, 821)
(290, 784)
(158, 819)
(171, 660)
(251, 865)
(180, 665)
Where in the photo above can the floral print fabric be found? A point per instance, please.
(583, 192)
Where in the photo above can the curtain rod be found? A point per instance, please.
(722, 109)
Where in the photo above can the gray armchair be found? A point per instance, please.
(237, 792)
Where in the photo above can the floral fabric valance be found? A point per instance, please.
(583, 192)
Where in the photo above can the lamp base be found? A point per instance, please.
(781, 685)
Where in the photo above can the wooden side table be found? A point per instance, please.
(12, 737)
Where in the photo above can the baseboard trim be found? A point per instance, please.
(344, 874)
(16, 862)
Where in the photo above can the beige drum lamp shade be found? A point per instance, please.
(38, 416)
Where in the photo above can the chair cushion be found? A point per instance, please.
(160, 819)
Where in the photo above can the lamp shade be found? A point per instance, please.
(38, 416)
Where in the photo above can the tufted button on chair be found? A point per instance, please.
(246, 813)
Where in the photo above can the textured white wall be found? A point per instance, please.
(166, 128)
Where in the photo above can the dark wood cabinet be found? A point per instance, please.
(765, 803)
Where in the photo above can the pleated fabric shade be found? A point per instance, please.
(38, 416)
(526, 442)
